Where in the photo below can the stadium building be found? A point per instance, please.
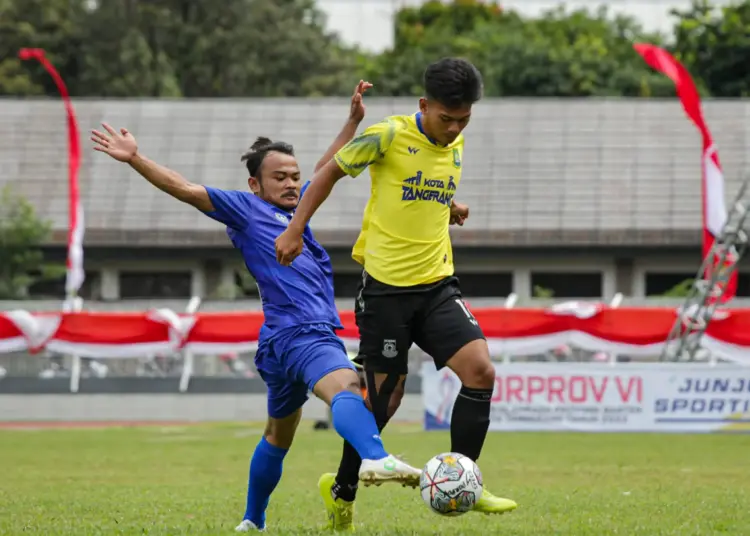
(569, 198)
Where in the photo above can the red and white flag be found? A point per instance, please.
(75, 273)
(714, 208)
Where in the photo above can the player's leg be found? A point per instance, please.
(356, 424)
(385, 339)
(266, 468)
(285, 400)
(452, 336)
(319, 360)
(338, 490)
(384, 392)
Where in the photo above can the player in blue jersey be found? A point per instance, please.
(298, 350)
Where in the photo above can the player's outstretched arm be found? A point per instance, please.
(356, 115)
(366, 149)
(123, 147)
(289, 243)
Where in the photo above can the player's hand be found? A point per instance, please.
(357, 111)
(459, 213)
(119, 145)
(288, 247)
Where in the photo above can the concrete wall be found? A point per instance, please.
(162, 408)
(620, 273)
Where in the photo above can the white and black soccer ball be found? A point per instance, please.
(451, 484)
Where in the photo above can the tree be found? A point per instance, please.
(121, 61)
(714, 45)
(22, 234)
(560, 54)
(48, 24)
(173, 48)
(248, 48)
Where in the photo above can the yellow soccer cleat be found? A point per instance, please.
(340, 512)
(489, 504)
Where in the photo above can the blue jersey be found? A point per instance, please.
(301, 293)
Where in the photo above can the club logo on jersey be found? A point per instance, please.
(456, 158)
(389, 348)
(283, 219)
(413, 150)
(421, 188)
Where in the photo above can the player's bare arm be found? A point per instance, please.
(356, 115)
(289, 243)
(327, 173)
(123, 147)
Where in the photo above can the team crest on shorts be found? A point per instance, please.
(389, 348)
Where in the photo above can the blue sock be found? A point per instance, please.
(355, 423)
(265, 473)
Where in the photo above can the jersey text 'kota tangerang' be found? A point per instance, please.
(404, 239)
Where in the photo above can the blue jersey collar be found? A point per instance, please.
(418, 118)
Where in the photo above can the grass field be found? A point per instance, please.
(192, 479)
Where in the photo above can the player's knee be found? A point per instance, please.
(280, 432)
(348, 380)
(473, 366)
(353, 387)
(483, 375)
(338, 381)
(479, 375)
(278, 438)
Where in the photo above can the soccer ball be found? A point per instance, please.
(451, 484)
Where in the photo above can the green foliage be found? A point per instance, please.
(174, 48)
(274, 48)
(542, 293)
(51, 25)
(561, 54)
(21, 235)
(715, 44)
(680, 290)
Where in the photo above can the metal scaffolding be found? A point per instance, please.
(709, 287)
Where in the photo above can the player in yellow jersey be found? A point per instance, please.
(408, 292)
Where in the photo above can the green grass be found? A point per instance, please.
(191, 480)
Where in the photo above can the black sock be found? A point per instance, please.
(347, 478)
(470, 420)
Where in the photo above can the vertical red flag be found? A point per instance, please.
(75, 273)
(714, 208)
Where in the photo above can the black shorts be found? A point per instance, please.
(390, 319)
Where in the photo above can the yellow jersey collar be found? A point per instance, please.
(418, 120)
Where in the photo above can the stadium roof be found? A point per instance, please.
(536, 172)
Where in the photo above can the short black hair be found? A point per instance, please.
(254, 157)
(453, 82)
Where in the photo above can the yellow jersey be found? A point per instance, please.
(404, 239)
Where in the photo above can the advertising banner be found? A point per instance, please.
(591, 397)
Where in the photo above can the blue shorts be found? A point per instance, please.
(294, 360)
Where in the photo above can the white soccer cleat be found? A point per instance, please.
(389, 469)
(248, 526)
